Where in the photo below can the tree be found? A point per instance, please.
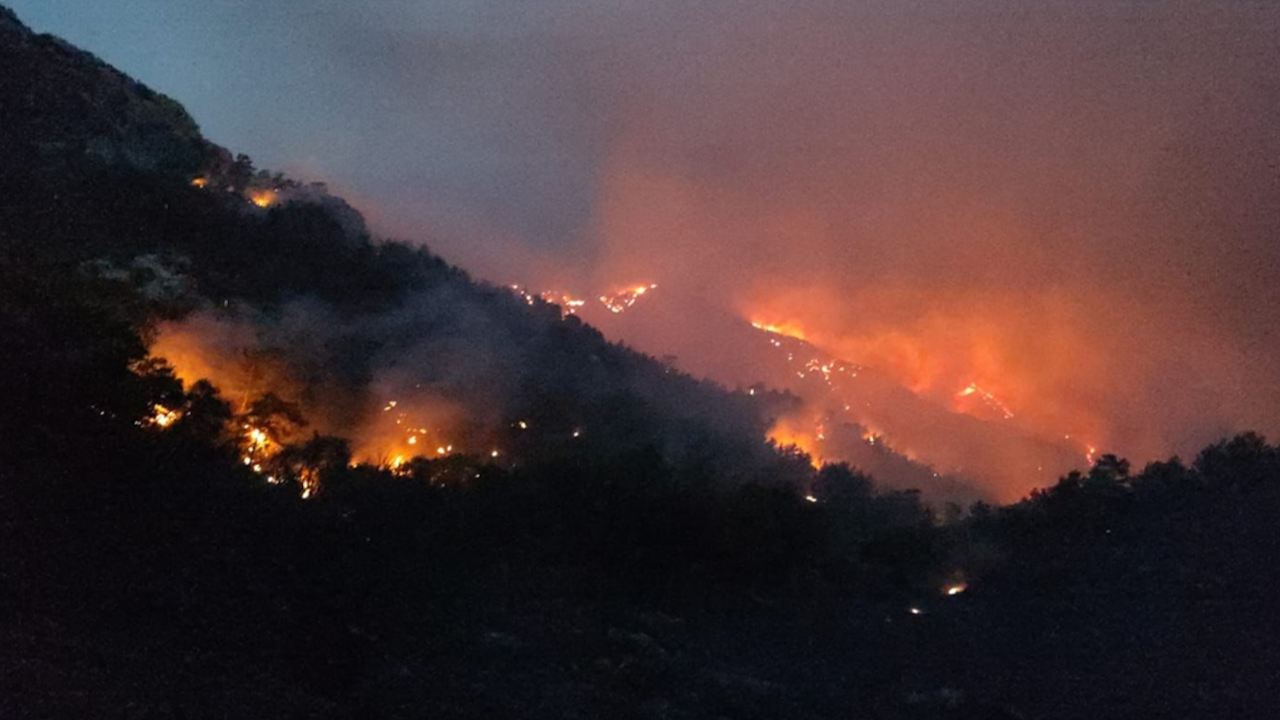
(1244, 460)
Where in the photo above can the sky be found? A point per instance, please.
(1074, 203)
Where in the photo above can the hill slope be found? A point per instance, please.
(99, 181)
(636, 550)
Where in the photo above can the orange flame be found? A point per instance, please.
(785, 329)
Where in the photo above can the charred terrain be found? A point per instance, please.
(257, 463)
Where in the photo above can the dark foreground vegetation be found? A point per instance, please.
(673, 566)
(148, 573)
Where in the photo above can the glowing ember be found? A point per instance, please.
(988, 398)
(788, 433)
(784, 329)
(257, 447)
(163, 417)
(622, 300)
(569, 305)
(524, 294)
(258, 440)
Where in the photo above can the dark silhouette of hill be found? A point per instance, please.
(99, 180)
(96, 111)
(670, 565)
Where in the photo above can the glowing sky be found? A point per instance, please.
(1073, 203)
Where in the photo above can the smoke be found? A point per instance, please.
(378, 380)
(1060, 202)
(1073, 204)
(1063, 202)
(456, 368)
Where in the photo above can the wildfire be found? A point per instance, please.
(524, 294)
(616, 302)
(405, 442)
(263, 198)
(163, 417)
(622, 300)
(257, 446)
(569, 305)
(991, 401)
(309, 479)
(199, 182)
(785, 433)
(784, 329)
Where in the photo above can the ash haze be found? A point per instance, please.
(1073, 203)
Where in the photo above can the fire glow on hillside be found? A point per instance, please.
(616, 302)
(841, 395)
(853, 413)
(417, 432)
(622, 300)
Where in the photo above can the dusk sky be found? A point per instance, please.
(1075, 203)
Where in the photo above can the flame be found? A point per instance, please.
(790, 330)
(787, 432)
(199, 182)
(397, 436)
(988, 399)
(1019, 353)
(263, 198)
(621, 300)
(569, 305)
(163, 417)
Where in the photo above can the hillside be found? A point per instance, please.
(340, 325)
(405, 493)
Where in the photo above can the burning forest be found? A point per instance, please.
(827, 361)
